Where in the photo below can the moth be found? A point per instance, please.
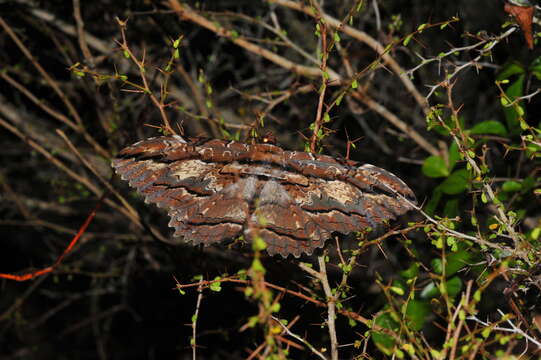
(218, 190)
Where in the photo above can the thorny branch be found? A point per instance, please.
(334, 78)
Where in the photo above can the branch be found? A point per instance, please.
(187, 13)
(368, 40)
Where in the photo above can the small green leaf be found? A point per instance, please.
(535, 67)
(410, 272)
(451, 208)
(257, 266)
(535, 233)
(259, 244)
(477, 295)
(489, 127)
(417, 313)
(453, 286)
(509, 70)
(437, 266)
(429, 291)
(454, 155)
(513, 113)
(326, 118)
(458, 260)
(339, 99)
(434, 200)
(216, 286)
(434, 166)
(407, 40)
(397, 290)
(384, 342)
(484, 198)
(456, 183)
(511, 186)
(354, 84)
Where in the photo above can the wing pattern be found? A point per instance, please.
(216, 190)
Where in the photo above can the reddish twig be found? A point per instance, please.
(48, 269)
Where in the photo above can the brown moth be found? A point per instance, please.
(217, 190)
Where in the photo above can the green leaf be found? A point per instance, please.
(326, 117)
(509, 70)
(456, 183)
(458, 260)
(407, 40)
(454, 155)
(216, 286)
(257, 266)
(432, 204)
(453, 286)
(489, 127)
(259, 244)
(451, 208)
(437, 266)
(434, 166)
(511, 115)
(511, 186)
(429, 291)
(535, 67)
(384, 342)
(417, 313)
(410, 272)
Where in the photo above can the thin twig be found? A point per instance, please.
(331, 307)
(105, 182)
(187, 13)
(79, 178)
(368, 40)
(81, 35)
(53, 84)
(297, 337)
(193, 342)
(319, 114)
(159, 103)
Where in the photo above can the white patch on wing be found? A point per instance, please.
(341, 191)
(190, 168)
(154, 166)
(250, 186)
(273, 192)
